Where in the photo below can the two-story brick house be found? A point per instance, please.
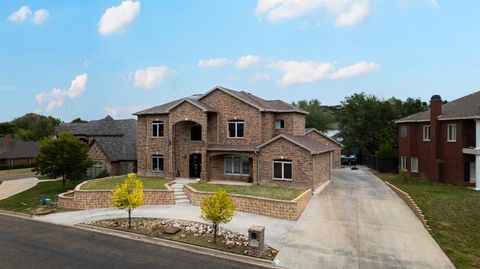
(443, 143)
(230, 135)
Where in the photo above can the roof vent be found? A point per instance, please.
(436, 97)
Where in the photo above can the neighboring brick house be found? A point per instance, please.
(112, 143)
(443, 143)
(15, 151)
(230, 135)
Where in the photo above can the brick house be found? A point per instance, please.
(443, 143)
(16, 151)
(230, 135)
(112, 143)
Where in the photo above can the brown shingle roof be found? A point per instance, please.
(255, 101)
(18, 149)
(218, 147)
(461, 108)
(310, 144)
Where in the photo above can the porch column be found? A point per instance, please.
(477, 157)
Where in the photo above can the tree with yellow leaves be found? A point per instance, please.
(128, 195)
(218, 208)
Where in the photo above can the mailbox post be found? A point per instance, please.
(256, 236)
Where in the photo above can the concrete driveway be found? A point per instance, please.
(359, 222)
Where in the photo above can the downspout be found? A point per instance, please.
(256, 154)
(313, 173)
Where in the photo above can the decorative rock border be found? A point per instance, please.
(411, 203)
(281, 209)
(90, 199)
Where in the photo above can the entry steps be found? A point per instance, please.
(180, 196)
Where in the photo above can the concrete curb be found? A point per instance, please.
(178, 245)
(15, 214)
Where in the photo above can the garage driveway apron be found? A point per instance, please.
(359, 222)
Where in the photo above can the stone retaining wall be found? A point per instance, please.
(290, 210)
(90, 199)
(411, 203)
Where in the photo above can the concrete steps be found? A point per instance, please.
(180, 196)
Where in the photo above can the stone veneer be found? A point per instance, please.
(290, 210)
(90, 199)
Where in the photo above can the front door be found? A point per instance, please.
(195, 165)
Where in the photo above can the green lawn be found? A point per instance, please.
(109, 183)
(272, 192)
(29, 200)
(453, 214)
(15, 171)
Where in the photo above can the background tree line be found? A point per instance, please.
(365, 122)
(32, 127)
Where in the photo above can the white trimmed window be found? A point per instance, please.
(279, 124)
(157, 163)
(236, 165)
(236, 128)
(403, 131)
(282, 170)
(403, 163)
(414, 164)
(451, 133)
(426, 132)
(157, 129)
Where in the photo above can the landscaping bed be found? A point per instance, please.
(271, 192)
(108, 183)
(29, 200)
(452, 212)
(190, 232)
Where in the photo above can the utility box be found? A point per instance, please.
(256, 236)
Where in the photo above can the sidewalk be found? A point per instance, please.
(11, 187)
(276, 230)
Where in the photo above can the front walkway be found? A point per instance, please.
(358, 222)
(11, 187)
(276, 230)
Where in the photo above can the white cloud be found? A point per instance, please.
(354, 70)
(214, 62)
(20, 15)
(259, 77)
(40, 16)
(247, 61)
(116, 18)
(295, 72)
(56, 97)
(347, 12)
(151, 76)
(358, 11)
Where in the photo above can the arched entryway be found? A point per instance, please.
(188, 146)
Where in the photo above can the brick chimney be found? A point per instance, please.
(435, 111)
(7, 139)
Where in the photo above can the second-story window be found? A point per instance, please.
(196, 133)
(403, 131)
(236, 128)
(451, 133)
(157, 129)
(279, 124)
(426, 132)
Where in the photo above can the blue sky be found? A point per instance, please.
(85, 59)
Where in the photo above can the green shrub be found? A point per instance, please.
(386, 151)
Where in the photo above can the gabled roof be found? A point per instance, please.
(117, 138)
(18, 149)
(248, 98)
(307, 143)
(467, 107)
(309, 130)
(257, 102)
(167, 107)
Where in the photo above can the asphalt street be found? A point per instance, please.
(30, 244)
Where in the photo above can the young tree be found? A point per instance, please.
(66, 156)
(218, 208)
(128, 195)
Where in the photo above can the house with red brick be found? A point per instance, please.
(233, 135)
(443, 143)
